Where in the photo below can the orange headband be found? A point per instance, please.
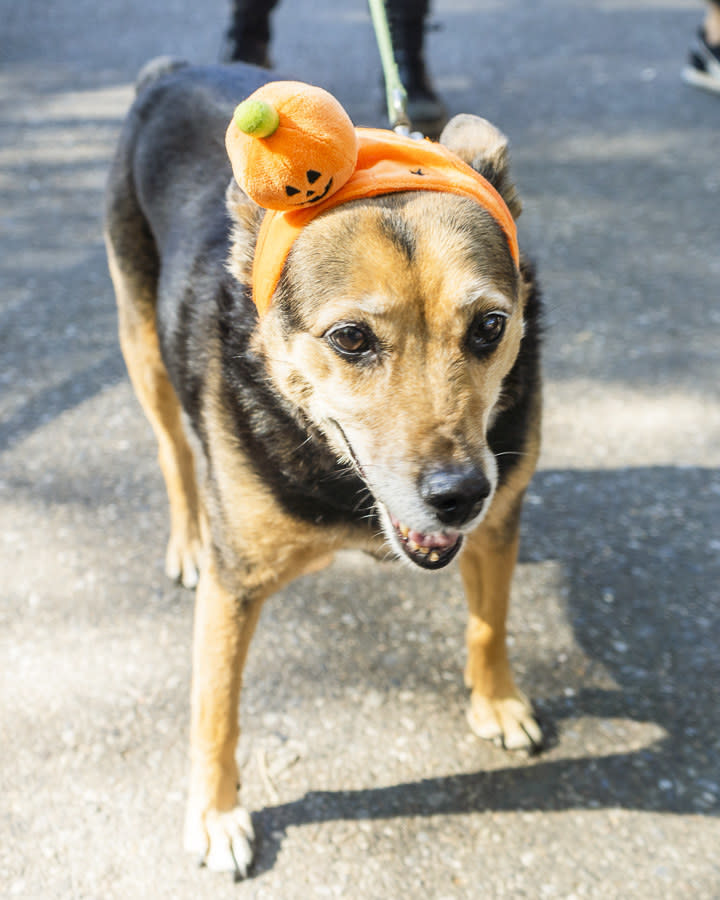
(387, 164)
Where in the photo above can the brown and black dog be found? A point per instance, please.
(389, 400)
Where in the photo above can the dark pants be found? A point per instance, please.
(251, 18)
(248, 37)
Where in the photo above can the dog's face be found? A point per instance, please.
(395, 324)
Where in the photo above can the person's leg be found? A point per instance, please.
(712, 23)
(407, 28)
(248, 35)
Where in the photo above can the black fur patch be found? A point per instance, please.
(291, 318)
(295, 462)
(510, 431)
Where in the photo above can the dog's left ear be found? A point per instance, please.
(245, 216)
(482, 146)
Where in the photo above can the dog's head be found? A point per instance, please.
(395, 323)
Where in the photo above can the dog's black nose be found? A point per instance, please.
(456, 494)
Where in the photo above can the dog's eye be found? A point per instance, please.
(350, 340)
(486, 331)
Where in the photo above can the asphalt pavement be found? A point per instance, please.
(362, 776)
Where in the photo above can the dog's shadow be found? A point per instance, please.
(640, 562)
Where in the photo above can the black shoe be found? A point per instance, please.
(703, 68)
(425, 109)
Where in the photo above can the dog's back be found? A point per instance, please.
(170, 167)
(167, 234)
(166, 225)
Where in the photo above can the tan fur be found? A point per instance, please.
(498, 709)
(403, 267)
(440, 405)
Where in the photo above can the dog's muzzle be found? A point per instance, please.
(455, 495)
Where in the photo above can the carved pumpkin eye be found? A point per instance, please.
(312, 176)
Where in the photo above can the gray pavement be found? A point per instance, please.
(361, 773)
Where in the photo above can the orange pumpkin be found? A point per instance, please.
(291, 145)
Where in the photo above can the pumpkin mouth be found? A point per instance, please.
(319, 197)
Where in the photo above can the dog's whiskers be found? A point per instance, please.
(299, 447)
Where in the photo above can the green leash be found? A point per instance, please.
(395, 93)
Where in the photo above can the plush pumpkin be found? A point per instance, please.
(291, 145)
(295, 152)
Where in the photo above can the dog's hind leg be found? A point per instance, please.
(498, 709)
(134, 290)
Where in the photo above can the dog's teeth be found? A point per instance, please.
(423, 550)
(404, 531)
(434, 556)
(412, 546)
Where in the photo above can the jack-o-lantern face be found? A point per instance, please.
(302, 196)
(291, 145)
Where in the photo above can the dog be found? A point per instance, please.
(388, 401)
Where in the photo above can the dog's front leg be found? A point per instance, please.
(216, 828)
(498, 709)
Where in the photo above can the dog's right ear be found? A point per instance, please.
(246, 216)
(482, 146)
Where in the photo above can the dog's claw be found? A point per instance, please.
(509, 722)
(227, 842)
(230, 836)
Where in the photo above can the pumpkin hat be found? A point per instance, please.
(295, 152)
(291, 145)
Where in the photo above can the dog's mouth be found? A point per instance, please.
(429, 551)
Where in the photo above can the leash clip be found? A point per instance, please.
(398, 115)
(404, 131)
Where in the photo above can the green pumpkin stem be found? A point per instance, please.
(256, 118)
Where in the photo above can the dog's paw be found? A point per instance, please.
(508, 721)
(183, 558)
(223, 841)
